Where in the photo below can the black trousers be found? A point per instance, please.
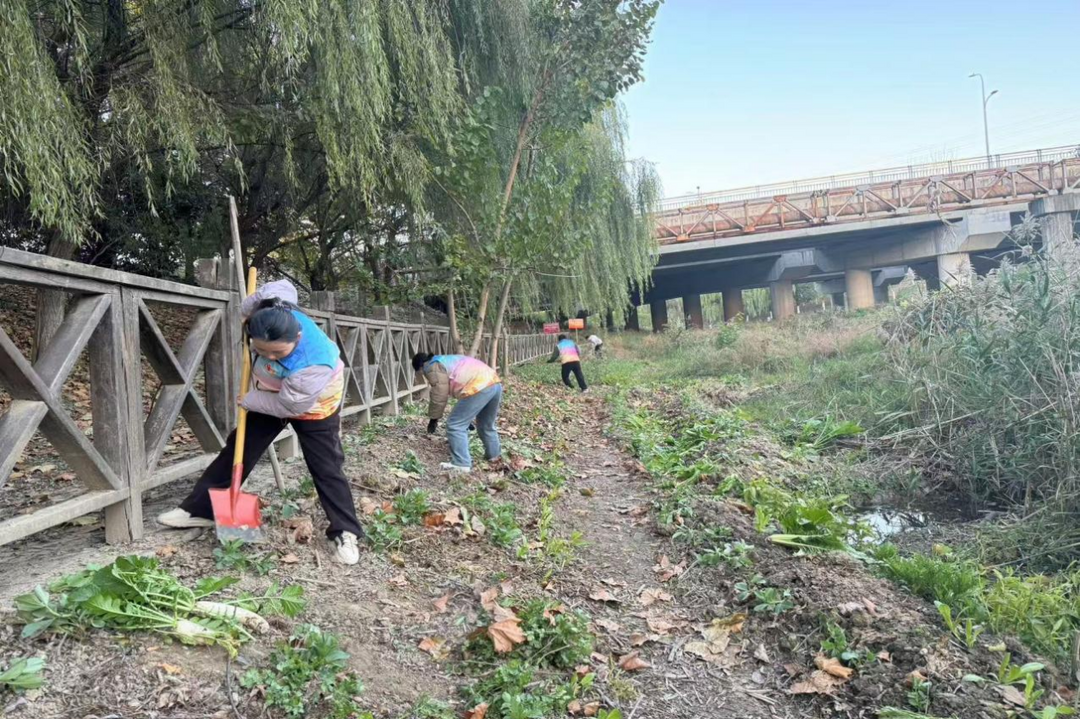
(320, 441)
(575, 368)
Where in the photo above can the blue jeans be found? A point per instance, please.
(483, 407)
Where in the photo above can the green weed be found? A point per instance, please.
(23, 674)
(235, 554)
(957, 583)
(411, 506)
(307, 674)
(411, 464)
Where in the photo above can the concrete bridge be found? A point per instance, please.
(856, 234)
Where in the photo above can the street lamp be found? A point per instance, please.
(985, 99)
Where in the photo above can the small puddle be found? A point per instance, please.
(887, 521)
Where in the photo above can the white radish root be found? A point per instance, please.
(189, 632)
(247, 618)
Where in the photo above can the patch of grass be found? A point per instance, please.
(307, 674)
(957, 583)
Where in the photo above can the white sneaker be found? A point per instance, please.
(451, 467)
(346, 549)
(182, 519)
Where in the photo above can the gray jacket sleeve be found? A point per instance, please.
(281, 289)
(299, 393)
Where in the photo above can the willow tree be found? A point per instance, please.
(311, 96)
(581, 56)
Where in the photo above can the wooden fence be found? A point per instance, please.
(109, 320)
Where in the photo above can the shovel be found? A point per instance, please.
(236, 513)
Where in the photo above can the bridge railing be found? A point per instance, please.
(123, 350)
(892, 174)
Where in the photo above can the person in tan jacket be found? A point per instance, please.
(478, 391)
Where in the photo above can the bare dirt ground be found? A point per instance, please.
(698, 652)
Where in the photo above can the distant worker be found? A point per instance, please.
(597, 343)
(478, 391)
(567, 352)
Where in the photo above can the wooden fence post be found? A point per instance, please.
(116, 409)
(390, 370)
(219, 366)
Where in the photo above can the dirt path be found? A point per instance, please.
(623, 550)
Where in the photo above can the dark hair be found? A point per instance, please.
(273, 321)
(420, 359)
(562, 337)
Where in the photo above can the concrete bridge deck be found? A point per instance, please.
(854, 233)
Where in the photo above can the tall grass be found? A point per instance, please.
(992, 372)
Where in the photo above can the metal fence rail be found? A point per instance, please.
(892, 174)
(109, 319)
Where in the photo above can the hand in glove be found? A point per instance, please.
(431, 425)
(472, 427)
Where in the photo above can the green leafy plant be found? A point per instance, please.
(967, 631)
(135, 594)
(502, 525)
(411, 464)
(549, 475)
(236, 554)
(1053, 712)
(734, 554)
(411, 506)
(818, 433)
(306, 674)
(919, 695)
(957, 583)
(383, 531)
(23, 674)
(770, 600)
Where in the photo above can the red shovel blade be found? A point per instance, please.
(236, 514)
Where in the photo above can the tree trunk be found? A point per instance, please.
(451, 313)
(52, 304)
(478, 338)
(496, 332)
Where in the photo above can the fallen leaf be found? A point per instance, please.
(587, 492)
(452, 517)
(549, 613)
(613, 582)
(632, 662)
(1012, 695)
(608, 625)
(506, 634)
(66, 477)
(832, 666)
(290, 558)
(761, 654)
(399, 581)
(573, 708)
(591, 709)
(368, 505)
(819, 682)
(913, 677)
(602, 595)
(667, 570)
(637, 640)
(441, 604)
(170, 668)
(488, 597)
(435, 646)
(639, 511)
(884, 656)
(477, 712)
(651, 596)
(583, 670)
(793, 670)
(166, 551)
(434, 519)
(302, 529)
(477, 525)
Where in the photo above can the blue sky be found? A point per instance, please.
(741, 92)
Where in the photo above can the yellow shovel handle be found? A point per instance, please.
(245, 383)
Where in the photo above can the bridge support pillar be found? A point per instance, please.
(860, 289)
(881, 294)
(783, 299)
(733, 304)
(1057, 220)
(954, 269)
(694, 318)
(838, 300)
(633, 324)
(658, 310)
